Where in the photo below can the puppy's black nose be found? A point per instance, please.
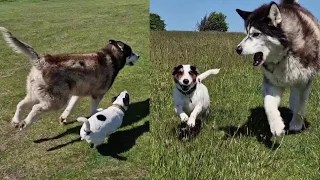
(185, 81)
(239, 50)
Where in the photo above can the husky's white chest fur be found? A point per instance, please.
(289, 73)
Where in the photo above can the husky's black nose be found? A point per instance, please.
(185, 81)
(239, 50)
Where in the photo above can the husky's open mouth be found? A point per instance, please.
(258, 59)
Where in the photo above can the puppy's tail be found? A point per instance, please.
(204, 75)
(289, 2)
(19, 46)
(86, 123)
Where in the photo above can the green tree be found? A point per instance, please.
(214, 22)
(156, 23)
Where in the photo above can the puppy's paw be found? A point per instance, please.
(277, 127)
(191, 122)
(184, 117)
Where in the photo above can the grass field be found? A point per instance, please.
(49, 150)
(234, 142)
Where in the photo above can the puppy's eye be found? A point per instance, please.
(255, 34)
(180, 72)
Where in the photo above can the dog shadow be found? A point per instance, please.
(122, 141)
(257, 126)
(135, 113)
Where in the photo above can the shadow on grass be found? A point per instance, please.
(257, 126)
(135, 113)
(122, 141)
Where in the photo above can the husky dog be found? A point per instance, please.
(191, 97)
(285, 41)
(105, 122)
(54, 79)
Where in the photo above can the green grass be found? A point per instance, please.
(236, 104)
(66, 26)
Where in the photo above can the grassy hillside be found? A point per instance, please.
(48, 150)
(234, 143)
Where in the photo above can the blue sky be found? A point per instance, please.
(184, 14)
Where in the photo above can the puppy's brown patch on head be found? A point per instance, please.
(177, 73)
(193, 73)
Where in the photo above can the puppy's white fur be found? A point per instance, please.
(195, 105)
(94, 130)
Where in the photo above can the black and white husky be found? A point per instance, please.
(285, 41)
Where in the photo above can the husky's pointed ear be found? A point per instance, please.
(243, 14)
(120, 45)
(274, 14)
(111, 41)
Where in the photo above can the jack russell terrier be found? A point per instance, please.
(105, 122)
(191, 97)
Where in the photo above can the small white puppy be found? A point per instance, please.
(191, 97)
(105, 122)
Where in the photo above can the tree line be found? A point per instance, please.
(213, 22)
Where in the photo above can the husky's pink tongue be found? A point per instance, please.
(257, 59)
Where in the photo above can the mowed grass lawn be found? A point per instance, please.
(49, 150)
(233, 143)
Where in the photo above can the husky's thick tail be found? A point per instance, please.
(86, 123)
(289, 2)
(204, 75)
(19, 46)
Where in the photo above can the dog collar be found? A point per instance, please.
(120, 107)
(188, 92)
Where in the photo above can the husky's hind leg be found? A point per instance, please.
(298, 100)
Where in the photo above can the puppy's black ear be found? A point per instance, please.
(176, 69)
(126, 100)
(114, 98)
(243, 14)
(194, 70)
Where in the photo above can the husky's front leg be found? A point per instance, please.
(193, 116)
(70, 107)
(95, 101)
(298, 100)
(272, 98)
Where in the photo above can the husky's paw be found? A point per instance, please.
(191, 122)
(15, 122)
(21, 126)
(63, 120)
(184, 117)
(295, 125)
(277, 127)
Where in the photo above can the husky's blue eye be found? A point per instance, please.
(255, 34)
